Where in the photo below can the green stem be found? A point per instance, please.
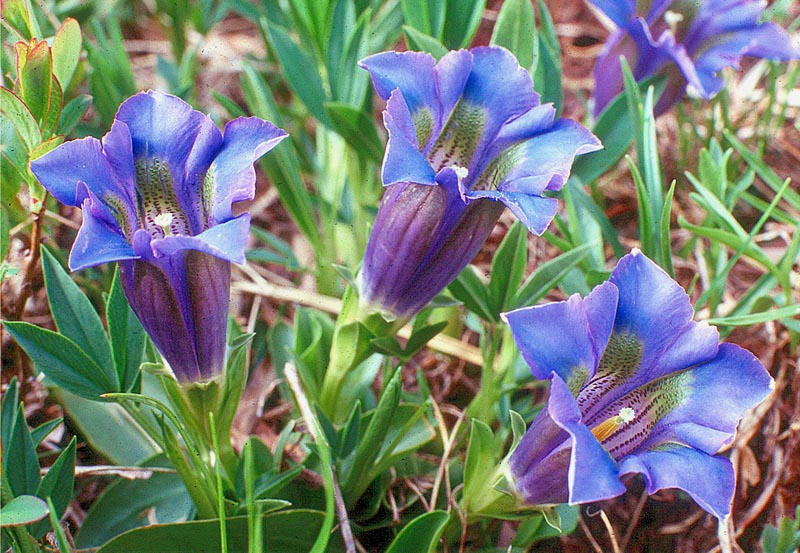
(482, 405)
(223, 529)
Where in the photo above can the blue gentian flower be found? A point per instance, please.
(637, 386)
(688, 42)
(156, 195)
(467, 136)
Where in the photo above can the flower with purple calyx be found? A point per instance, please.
(637, 386)
(467, 136)
(689, 42)
(156, 195)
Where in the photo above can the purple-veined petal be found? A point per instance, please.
(154, 296)
(719, 393)
(708, 479)
(593, 474)
(231, 177)
(226, 241)
(566, 337)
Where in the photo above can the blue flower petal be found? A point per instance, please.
(245, 140)
(502, 100)
(544, 161)
(411, 72)
(719, 393)
(566, 337)
(708, 479)
(226, 241)
(535, 212)
(618, 11)
(403, 161)
(82, 160)
(593, 474)
(657, 311)
(98, 241)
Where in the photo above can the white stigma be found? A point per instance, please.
(164, 220)
(461, 172)
(626, 414)
(672, 19)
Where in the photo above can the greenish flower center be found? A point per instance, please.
(158, 209)
(456, 144)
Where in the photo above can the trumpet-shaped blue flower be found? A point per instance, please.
(467, 136)
(637, 386)
(156, 195)
(689, 42)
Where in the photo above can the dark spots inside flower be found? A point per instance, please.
(156, 200)
(650, 403)
(577, 379)
(619, 362)
(497, 170)
(459, 138)
(120, 211)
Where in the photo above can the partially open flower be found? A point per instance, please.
(689, 42)
(637, 386)
(467, 136)
(156, 196)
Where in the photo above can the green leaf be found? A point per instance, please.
(425, 16)
(350, 83)
(35, 80)
(21, 118)
(292, 531)
(461, 22)
(281, 165)
(733, 241)
(22, 510)
(472, 292)
(508, 267)
(376, 431)
(61, 360)
(57, 484)
(515, 29)
(480, 462)
(162, 497)
(421, 534)
(547, 71)
(74, 315)
(417, 40)
(547, 276)
(126, 334)
(8, 410)
(40, 432)
(357, 128)
(301, 72)
(109, 430)
(66, 49)
(757, 318)
(72, 113)
(20, 463)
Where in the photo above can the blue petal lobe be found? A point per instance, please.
(226, 241)
(245, 140)
(656, 310)
(403, 161)
(562, 337)
(411, 72)
(719, 393)
(98, 241)
(708, 479)
(535, 212)
(618, 11)
(593, 474)
(82, 160)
